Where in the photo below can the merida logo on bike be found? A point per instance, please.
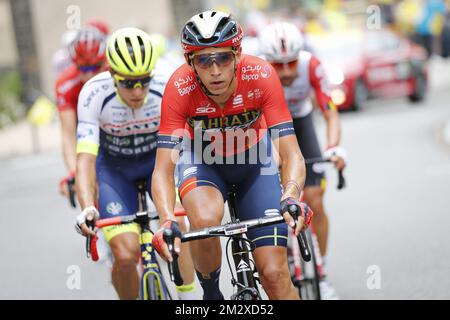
(243, 267)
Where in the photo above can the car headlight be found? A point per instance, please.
(336, 77)
(338, 96)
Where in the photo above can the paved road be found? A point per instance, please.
(394, 214)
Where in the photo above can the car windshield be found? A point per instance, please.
(348, 46)
(339, 51)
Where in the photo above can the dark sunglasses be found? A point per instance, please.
(133, 83)
(205, 61)
(92, 68)
(280, 65)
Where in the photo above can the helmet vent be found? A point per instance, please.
(117, 49)
(130, 49)
(142, 47)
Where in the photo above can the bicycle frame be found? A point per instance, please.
(150, 267)
(152, 280)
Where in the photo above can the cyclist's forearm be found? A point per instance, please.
(333, 128)
(68, 123)
(163, 186)
(163, 191)
(293, 171)
(85, 180)
(69, 152)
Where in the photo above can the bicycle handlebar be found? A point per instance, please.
(240, 227)
(341, 179)
(179, 212)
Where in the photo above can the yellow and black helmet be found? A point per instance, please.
(130, 52)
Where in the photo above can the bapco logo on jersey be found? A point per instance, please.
(250, 77)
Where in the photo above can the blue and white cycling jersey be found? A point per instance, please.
(105, 122)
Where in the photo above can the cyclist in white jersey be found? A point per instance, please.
(301, 73)
(118, 122)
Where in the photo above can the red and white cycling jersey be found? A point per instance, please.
(258, 103)
(311, 76)
(68, 87)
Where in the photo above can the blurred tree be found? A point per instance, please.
(26, 48)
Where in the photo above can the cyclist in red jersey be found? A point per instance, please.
(87, 52)
(302, 74)
(217, 98)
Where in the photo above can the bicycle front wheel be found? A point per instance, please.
(309, 284)
(153, 287)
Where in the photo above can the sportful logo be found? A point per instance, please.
(189, 171)
(250, 95)
(238, 101)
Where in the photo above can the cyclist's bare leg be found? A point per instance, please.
(313, 196)
(185, 259)
(204, 208)
(125, 277)
(272, 265)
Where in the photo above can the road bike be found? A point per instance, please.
(306, 275)
(244, 276)
(153, 285)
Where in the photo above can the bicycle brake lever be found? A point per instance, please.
(70, 186)
(341, 180)
(90, 224)
(301, 238)
(174, 270)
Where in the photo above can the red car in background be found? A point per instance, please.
(364, 65)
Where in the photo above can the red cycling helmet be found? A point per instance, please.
(88, 47)
(98, 23)
(211, 29)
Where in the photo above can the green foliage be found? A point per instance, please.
(11, 109)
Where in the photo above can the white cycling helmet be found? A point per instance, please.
(281, 42)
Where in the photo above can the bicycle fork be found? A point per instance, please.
(246, 284)
(247, 287)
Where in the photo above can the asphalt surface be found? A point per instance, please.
(393, 217)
